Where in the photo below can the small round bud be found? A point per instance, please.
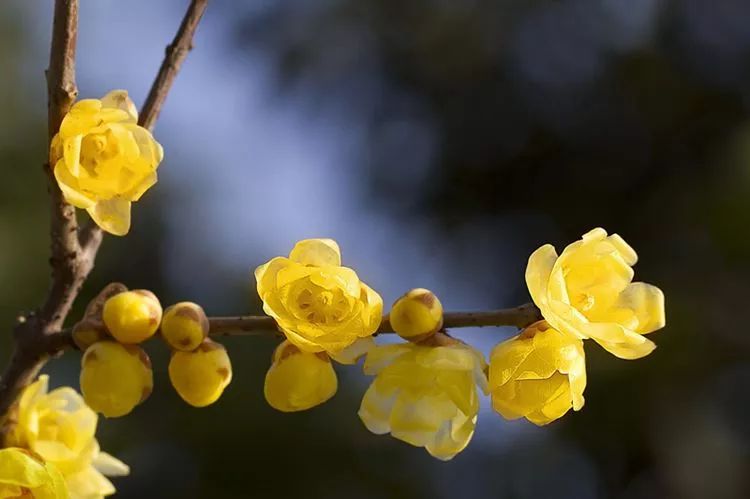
(201, 376)
(115, 378)
(87, 332)
(298, 380)
(133, 316)
(417, 315)
(184, 326)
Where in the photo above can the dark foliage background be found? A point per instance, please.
(441, 142)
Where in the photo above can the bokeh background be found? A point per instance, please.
(440, 142)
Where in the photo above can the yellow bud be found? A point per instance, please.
(299, 380)
(200, 377)
(417, 315)
(115, 378)
(184, 326)
(132, 316)
(87, 332)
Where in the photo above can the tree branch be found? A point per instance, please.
(176, 53)
(37, 336)
(258, 325)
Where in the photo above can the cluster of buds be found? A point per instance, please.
(116, 373)
(199, 369)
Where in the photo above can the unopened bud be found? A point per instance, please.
(133, 316)
(417, 315)
(115, 378)
(184, 326)
(201, 376)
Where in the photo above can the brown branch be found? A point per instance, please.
(259, 325)
(176, 53)
(519, 317)
(38, 335)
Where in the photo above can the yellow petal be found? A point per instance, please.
(145, 184)
(89, 483)
(376, 407)
(450, 440)
(119, 99)
(70, 188)
(351, 354)
(110, 465)
(72, 154)
(647, 305)
(316, 252)
(112, 215)
(538, 271)
(640, 347)
(380, 357)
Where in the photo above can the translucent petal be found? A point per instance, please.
(119, 99)
(382, 356)
(316, 252)
(538, 271)
(110, 465)
(70, 188)
(647, 305)
(376, 407)
(355, 351)
(112, 215)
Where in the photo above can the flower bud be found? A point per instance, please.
(417, 315)
(132, 317)
(87, 332)
(201, 376)
(115, 378)
(184, 326)
(299, 380)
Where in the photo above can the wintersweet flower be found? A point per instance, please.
(588, 292)
(25, 475)
(424, 395)
(538, 375)
(103, 160)
(299, 380)
(61, 428)
(319, 305)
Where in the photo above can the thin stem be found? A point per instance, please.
(177, 51)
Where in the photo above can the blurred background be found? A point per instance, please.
(440, 142)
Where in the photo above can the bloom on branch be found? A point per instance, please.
(424, 395)
(299, 380)
(24, 474)
(588, 292)
(538, 375)
(103, 161)
(319, 305)
(61, 428)
(417, 315)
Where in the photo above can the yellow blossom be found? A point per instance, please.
(24, 474)
(103, 160)
(539, 374)
(299, 380)
(417, 315)
(588, 292)
(115, 378)
(201, 376)
(61, 428)
(318, 304)
(424, 395)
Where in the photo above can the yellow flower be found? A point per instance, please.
(61, 428)
(424, 395)
(102, 159)
(587, 292)
(25, 475)
(539, 374)
(299, 380)
(318, 304)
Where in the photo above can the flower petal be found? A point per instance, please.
(112, 215)
(316, 252)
